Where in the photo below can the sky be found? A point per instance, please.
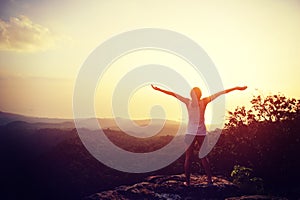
(43, 45)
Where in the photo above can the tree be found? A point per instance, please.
(272, 108)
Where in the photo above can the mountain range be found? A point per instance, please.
(87, 123)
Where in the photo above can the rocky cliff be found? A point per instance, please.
(172, 187)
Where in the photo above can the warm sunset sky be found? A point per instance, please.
(44, 43)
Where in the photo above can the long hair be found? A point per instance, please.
(196, 91)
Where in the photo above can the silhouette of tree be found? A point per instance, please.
(272, 108)
(265, 138)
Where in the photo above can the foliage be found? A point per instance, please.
(272, 108)
(266, 138)
(243, 176)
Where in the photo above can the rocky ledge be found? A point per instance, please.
(172, 188)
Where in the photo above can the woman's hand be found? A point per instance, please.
(241, 88)
(154, 87)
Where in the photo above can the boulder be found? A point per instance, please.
(172, 187)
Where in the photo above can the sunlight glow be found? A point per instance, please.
(254, 43)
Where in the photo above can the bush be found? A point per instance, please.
(243, 177)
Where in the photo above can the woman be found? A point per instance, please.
(196, 130)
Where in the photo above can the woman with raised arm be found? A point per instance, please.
(196, 130)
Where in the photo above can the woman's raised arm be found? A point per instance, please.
(214, 96)
(179, 97)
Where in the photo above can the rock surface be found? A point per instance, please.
(256, 197)
(172, 187)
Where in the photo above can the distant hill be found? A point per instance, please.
(6, 118)
(170, 127)
(52, 163)
(134, 127)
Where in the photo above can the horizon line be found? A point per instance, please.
(90, 117)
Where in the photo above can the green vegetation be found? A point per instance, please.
(243, 177)
(266, 139)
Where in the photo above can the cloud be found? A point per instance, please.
(23, 35)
